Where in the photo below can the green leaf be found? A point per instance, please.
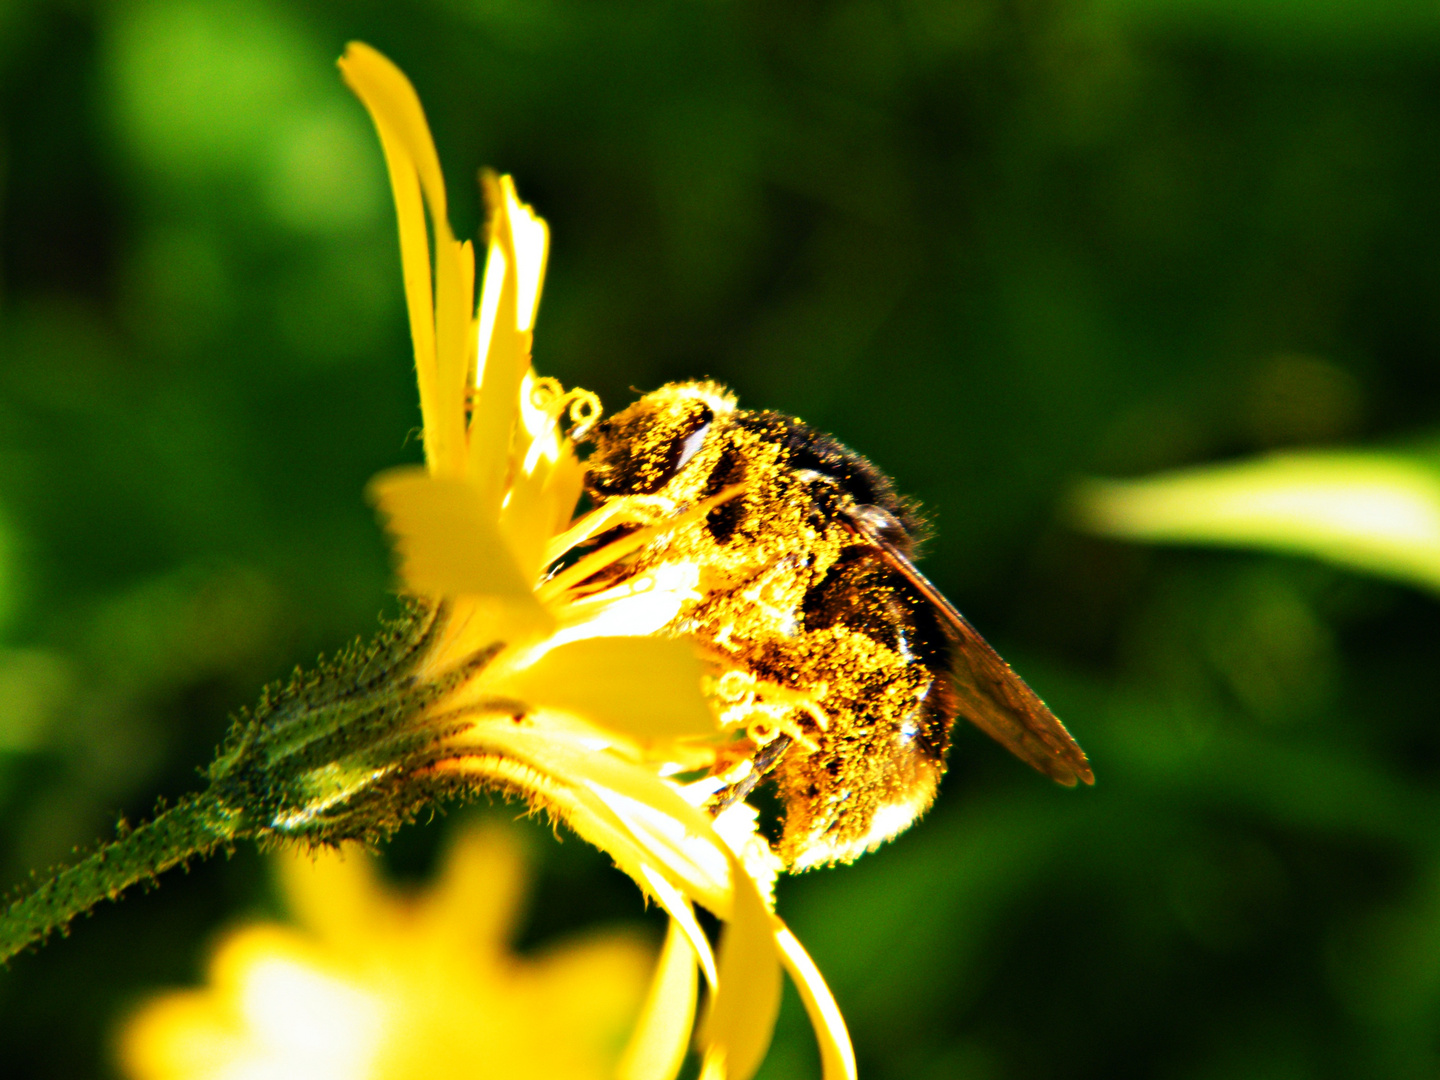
(1374, 512)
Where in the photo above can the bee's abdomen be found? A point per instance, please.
(863, 593)
(865, 596)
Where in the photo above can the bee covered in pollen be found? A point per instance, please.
(840, 668)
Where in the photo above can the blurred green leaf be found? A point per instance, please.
(1370, 511)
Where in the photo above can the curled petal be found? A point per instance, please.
(392, 101)
(657, 1047)
(682, 917)
(837, 1056)
(635, 808)
(742, 1014)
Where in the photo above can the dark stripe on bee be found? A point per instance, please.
(842, 478)
(724, 520)
(630, 463)
(864, 594)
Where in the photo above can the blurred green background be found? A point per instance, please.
(996, 245)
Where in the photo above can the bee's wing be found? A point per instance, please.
(991, 695)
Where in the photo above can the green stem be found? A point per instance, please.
(333, 756)
(191, 829)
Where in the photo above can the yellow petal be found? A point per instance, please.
(625, 810)
(641, 606)
(525, 238)
(515, 259)
(742, 1015)
(495, 752)
(363, 69)
(590, 525)
(499, 275)
(662, 1035)
(439, 323)
(1373, 512)
(527, 519)
(454, 292)
(682, 917)
(333, 893)
(687, 855)
(292, 996)
(596, 561)
(562, 489)
(570, 760)
(392, 100)
(646, 688)
(478, 899)
(446, 543)
(532, 246)
(541, 502)
(181, 1035)
(837, 1055)
(739, 826)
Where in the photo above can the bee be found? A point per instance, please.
(841, 662)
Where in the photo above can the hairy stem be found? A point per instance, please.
(341, 753)
(191, 829)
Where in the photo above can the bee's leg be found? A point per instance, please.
(765, 759)
(617, 549)
(583, 528)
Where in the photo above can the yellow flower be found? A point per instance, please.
(377, 985)
(559, 693)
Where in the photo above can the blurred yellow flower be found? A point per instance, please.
(375, 984)
(547, 686)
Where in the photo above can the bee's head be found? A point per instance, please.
(639, 449)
